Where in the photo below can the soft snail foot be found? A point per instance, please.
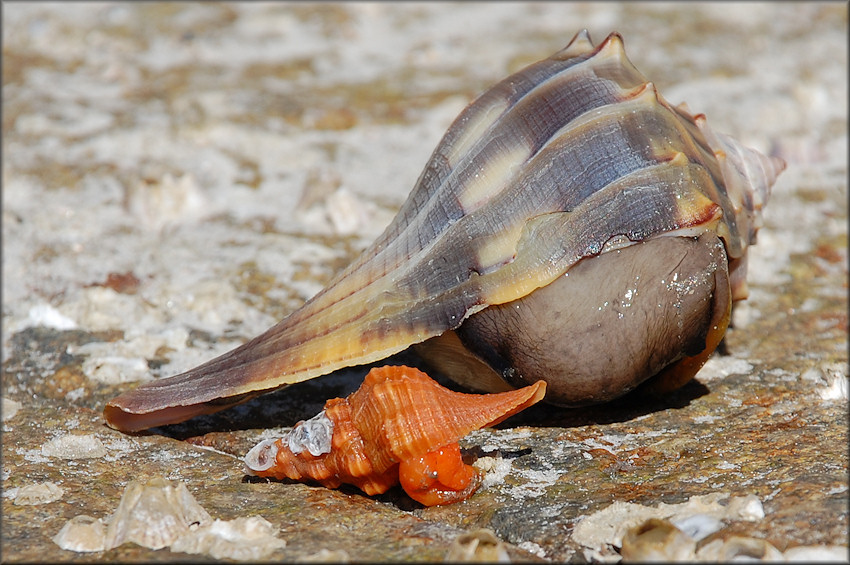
(439, 477)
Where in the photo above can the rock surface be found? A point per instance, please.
(177, 177)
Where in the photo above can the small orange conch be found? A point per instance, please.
(399, 426)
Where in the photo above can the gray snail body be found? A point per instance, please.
(571, 226)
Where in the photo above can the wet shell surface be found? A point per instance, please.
(571, 226)
(400, 426)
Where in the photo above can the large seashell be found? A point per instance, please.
(556, 179)
(399, 426)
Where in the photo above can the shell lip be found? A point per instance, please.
(121, 414)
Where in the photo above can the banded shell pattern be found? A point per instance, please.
(559, 176)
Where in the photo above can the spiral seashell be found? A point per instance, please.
(399, 426)
(571, 226)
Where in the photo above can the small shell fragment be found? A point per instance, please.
(610, 525)
(242, 539)
(82, 534)
(326, 555)
(74, 446)
(154, 514)
(162, 513)
(39, 493)
(9, 408)
(480, 546)
(657, 540)
(739, 548)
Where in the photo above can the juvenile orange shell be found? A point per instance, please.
(398, 422)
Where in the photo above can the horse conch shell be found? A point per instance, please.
(571, 226)
(399, 426)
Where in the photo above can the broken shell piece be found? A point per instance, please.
(698, 526)
(747, 508)
(479, 545)
(162, 513)
(39, 493)
(82, 533)
(739, 548)
(243, 539)
(399, 426)
(657, 540)
(326, 555)
(154, 514)
(816, 554)
(9, 408)
(698, 517)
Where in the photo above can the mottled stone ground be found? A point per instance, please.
(176, 178)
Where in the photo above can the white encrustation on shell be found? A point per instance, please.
(313, 435)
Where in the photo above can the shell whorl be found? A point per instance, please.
(748, 177)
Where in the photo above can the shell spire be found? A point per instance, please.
(748, 177)
(748, 173)
(398, 426)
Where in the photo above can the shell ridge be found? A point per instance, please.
(579, 45)
(393, 431)
(441, 417)
(647, 97)
(450, 179)
(388, 248)
(643, 193)
(725, 187)
(641, 185)
(588, 89)
(506, 92)
(582, 187)
(523, 90)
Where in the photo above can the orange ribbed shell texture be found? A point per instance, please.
(400, 421)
